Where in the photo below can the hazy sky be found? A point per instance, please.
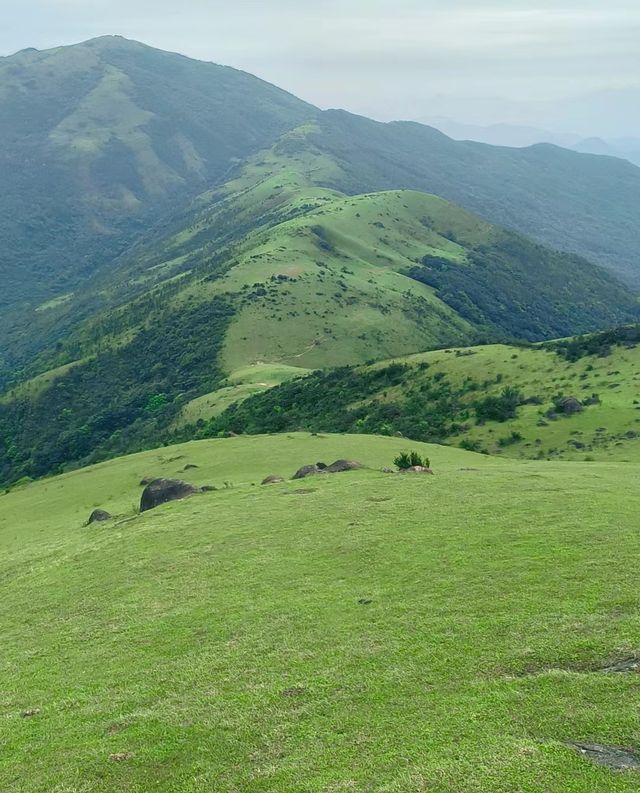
(386, 58)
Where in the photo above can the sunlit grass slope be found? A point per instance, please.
(242, 384)
(356, 632)
(436, 394)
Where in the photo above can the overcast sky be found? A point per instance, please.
(385, 58)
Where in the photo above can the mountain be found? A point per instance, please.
(606, 113)
(570, 400)
(302, 240)
(574, 202)
(514, 135)
(349, 279)
(105, 144)
(626, 148)
(100, 140)
(519, 136)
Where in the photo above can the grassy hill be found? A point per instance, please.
(457, 396)
(360, 632)
(583, 204)
(131, 134)
(317, 280)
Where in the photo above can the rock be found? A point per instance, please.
(569, 405)
(230, 434)
(121, 757)
(160, 491)
(628, 665)
(306, 470)
(28, 714)
(208, 489)
(272, 479)
(417, 469)
(344, 465)
(190, 466)
(388, 471)
(594, 399)
(98, 516)
(612, 757)
(321, 468)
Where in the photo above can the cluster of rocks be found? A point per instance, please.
(160, 491)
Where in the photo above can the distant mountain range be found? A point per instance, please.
(611, 114)
(521, 136)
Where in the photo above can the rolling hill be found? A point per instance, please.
(569, 400)
(361, 631)
(323, 279)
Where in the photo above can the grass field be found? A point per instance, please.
(606, 431)
(356, 632)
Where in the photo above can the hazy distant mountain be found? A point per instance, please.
(609, 114)
(500, 134)
(626, 148)
(520, 137)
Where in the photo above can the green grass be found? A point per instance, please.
(241, 385)
(412, 401)
(221, 640)
(606, 431)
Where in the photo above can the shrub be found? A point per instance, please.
(509, 440)
(407, 460)
(470, 445)
(499, 408)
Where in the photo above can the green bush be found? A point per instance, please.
(499, 408)
(407, 460)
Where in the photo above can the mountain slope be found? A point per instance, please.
(130, 135)
(498, 399)
(347, 281)
(361, 631)
(580, 203)
(98, 140)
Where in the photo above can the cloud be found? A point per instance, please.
(382, 57)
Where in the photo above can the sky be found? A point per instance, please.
(482, 62)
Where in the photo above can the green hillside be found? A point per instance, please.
(131, 135)
(361, 631)
(583, 204)
(127, 132)
(335, 280)
(500, 399)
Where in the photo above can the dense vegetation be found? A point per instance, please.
(119, 400)
(518, 289)
(599, 344)
(354, 400)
